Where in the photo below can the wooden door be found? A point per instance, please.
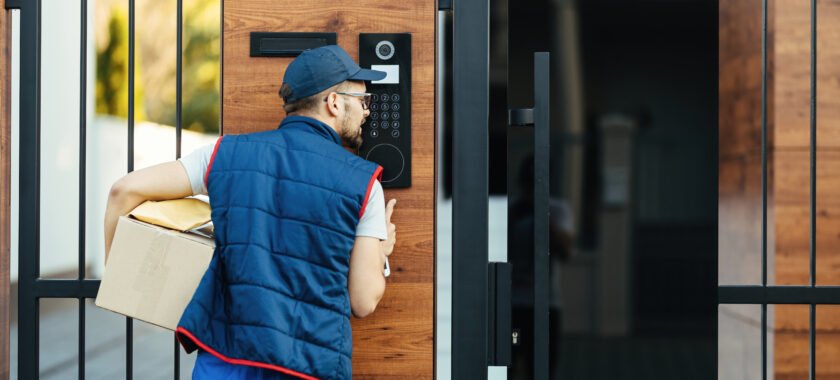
(396, 341)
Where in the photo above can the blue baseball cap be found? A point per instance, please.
(318, 69)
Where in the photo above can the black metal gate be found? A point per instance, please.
(765, 294)
(33, 288)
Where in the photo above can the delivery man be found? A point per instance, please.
(301, 228)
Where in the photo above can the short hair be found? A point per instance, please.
(308, 103)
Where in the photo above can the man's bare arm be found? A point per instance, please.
(160, 182)
(366, 282)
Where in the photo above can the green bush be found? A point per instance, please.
(112, 72)
(200, 67)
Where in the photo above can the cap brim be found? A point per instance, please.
(365, 74)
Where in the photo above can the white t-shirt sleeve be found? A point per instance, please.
(372, 223)
(195, 164)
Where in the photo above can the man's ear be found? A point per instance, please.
(333, 104)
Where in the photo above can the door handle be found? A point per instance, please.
(538, 118)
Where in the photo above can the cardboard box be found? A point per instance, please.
(152, 271)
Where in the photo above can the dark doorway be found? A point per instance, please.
(634, 182)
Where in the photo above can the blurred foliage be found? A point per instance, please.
(112, 72)
(201, 74)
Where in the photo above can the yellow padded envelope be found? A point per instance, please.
(177, 214)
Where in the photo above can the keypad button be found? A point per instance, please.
(395, 106)
(385, 116)
(395, 115)
(394, 97)
(395, 124)
(395, 133)
(374, 133)
(385, 125)
(374, 97)
(386, 106)
(374, 124)
(374, 115)
(374, 106)
(386, 98)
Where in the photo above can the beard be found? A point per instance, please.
(351, 134)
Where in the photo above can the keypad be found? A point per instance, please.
(384, 114)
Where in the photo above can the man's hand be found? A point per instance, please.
(388, 245)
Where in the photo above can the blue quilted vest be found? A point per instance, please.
(285, 208)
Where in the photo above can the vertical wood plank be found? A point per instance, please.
(5, 184)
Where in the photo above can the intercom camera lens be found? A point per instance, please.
(384, 50)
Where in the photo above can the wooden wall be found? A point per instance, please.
(5, 183)
(396, 341)
(739, 142)
(792, 36)
(789, 122)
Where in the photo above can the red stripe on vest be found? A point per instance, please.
(226, 359)
(377, 175)
(210, 165)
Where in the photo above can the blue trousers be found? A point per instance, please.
(209, 367)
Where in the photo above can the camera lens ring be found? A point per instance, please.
(384, 50)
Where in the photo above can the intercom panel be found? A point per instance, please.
(387, 131)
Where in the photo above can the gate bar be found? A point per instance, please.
(813, 190)
(29, 164)
(470, 79)
(129, 325)
(179, 98)
(764, 185)
(82, 178)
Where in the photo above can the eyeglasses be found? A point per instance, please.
(366, 97)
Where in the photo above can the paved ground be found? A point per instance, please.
(582, 357)
(105, 345)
